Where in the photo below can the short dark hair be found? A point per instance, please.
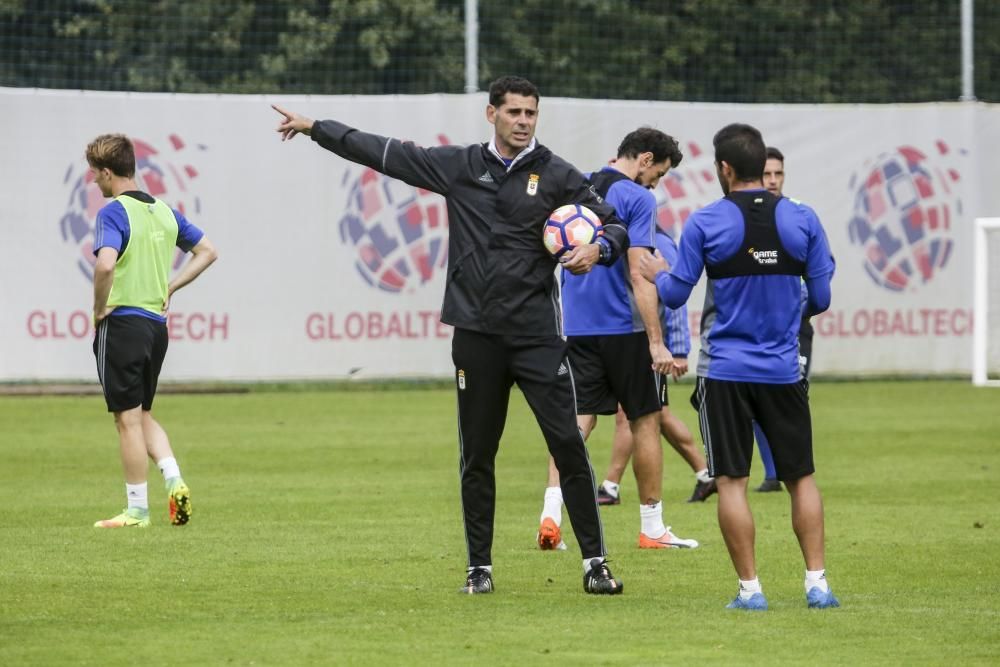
(114, 152)
(649, 140)
(511, 84)
(774, 154)
(742, 147)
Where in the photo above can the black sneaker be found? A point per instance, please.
(769, 485)
(599, 579)
(703, 490)
(605, 498)
(479, 581)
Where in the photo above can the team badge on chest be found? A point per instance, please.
(533, 184)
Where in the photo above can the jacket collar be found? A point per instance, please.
(493, 149)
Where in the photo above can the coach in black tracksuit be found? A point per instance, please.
(501, 297)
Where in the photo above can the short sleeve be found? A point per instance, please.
(111, 228)
(188, 235)
(642, 221)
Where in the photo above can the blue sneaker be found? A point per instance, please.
(818, 599)
(757, 602)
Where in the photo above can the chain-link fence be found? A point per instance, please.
(687, 50)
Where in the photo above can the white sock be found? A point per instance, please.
(552, 509)
(610, 487)
(817, 579)
(652, 520)
(748, 588)
(488, 568)
(587, 561)
(168, 466)
(137, 497)
(703, 476)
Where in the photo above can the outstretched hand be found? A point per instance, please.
(650, 265)
(292, 124)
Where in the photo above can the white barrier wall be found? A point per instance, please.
(330, 270)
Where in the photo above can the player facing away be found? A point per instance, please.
(677, 337)
(135, 237)
(616, 349)
(756, 249)
(502, 299)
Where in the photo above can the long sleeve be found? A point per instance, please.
(819, 295)
(428, 168)
(677, 330)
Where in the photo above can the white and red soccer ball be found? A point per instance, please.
(570, 226)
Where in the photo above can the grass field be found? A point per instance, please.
(327, 530)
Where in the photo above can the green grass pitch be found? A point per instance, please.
(327, 530)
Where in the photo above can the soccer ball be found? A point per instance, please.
(569, 226)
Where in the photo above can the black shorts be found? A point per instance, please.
(612, 370)
(129, 350)
(726, 415)
(805, 346)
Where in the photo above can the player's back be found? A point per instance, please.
(752, 307)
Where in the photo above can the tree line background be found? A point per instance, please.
(752, 51)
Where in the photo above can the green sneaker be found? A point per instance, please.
(129, 518)
(180, 501)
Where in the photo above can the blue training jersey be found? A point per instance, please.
(676, 332)
(600, 302)
(111, 230)
(751, 322)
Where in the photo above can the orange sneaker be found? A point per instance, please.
(666, 541)
(549, 536)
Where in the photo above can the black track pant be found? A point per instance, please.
(486, 367)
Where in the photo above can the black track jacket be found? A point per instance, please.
(500, 276)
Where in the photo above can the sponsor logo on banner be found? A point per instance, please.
(906, 205)
(686, 189)
(166, 170)
(398, 233)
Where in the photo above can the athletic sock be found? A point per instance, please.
(168, 466)
(816, 579)
(552, 508)
(137, 496)
(652, 520)
(587, 561)
(610, 487)
(488, 568)
(703, 476)
(748, 588)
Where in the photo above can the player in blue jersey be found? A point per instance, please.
(774, 181)
(135, 240)
(756, 249)
(677, 336)
(616, 349)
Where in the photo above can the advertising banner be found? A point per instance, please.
(328, 269)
